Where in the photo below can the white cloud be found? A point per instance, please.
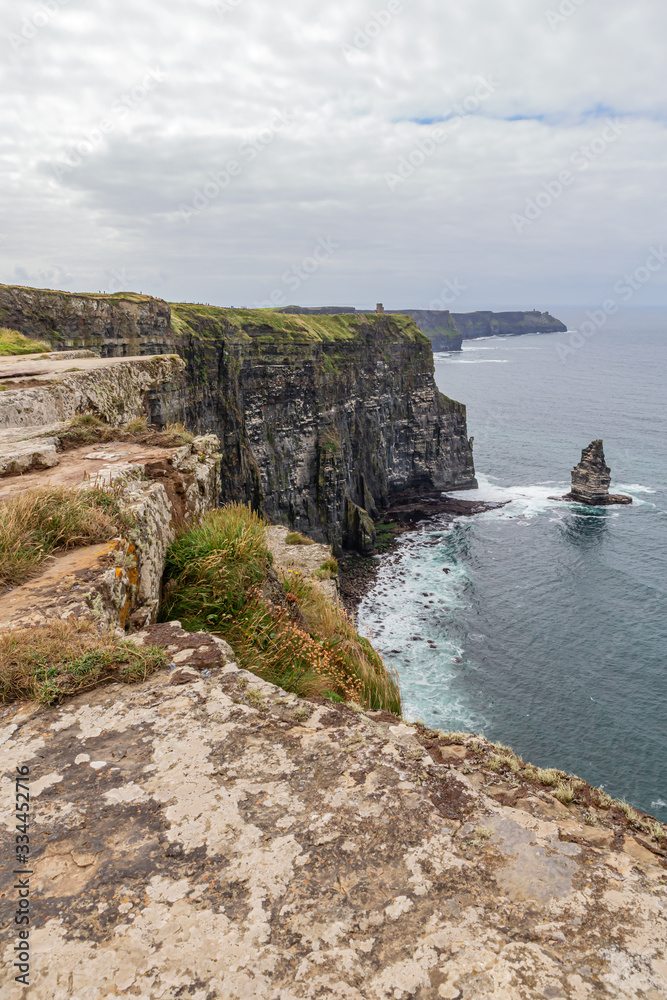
(227, 72)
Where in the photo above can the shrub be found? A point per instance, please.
(13, 342)
(49, 662)
(38, 522)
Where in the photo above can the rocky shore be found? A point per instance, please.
(408, 511)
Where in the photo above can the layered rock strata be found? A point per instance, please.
(206, 834)
(314, 413)
(591, 479)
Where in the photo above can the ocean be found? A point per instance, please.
(548, 631)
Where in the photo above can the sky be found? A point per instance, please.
(461, 154)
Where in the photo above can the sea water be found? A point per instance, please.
(543, 624)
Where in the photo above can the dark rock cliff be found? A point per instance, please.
(317, 415)
(506, 324)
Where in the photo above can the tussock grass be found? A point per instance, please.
(39, 522)
(88, 429)
(13, 342)
(214, 577)
(49, 662)
(328, 570)
(549, 777)
(296, 538)
(603, 800)
(627, 811)
(213, 568)
(499, 760)
(564, 792)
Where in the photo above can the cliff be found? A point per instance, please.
(321, 418)
(157, 481)
(190, 829)
(506, 324)
(438, 325)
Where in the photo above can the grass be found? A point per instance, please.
(355, 659)
(36, 523)
(214, 577)
(90, 430)
(49, 662)
(270, 326)
(328, 570)
(12, 342)
(296, 538)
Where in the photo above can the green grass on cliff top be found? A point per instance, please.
(12, 343)
(257, 324)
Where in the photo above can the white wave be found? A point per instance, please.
(483, 361)
(635, 488)
(406, 614)
(521, 501)
(658, 804)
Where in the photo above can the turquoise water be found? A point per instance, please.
(549, 632)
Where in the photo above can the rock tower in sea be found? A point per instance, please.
(591, 479)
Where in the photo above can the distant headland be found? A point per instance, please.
(447, 330)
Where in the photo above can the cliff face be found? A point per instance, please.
(506, 324)
(113, 325)
(317, 415)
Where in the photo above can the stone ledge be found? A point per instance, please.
(119, 582)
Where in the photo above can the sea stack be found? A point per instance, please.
(591, 479)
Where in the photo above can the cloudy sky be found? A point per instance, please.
(472, 153)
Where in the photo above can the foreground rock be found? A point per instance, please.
(591, 479)
(206, 835)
